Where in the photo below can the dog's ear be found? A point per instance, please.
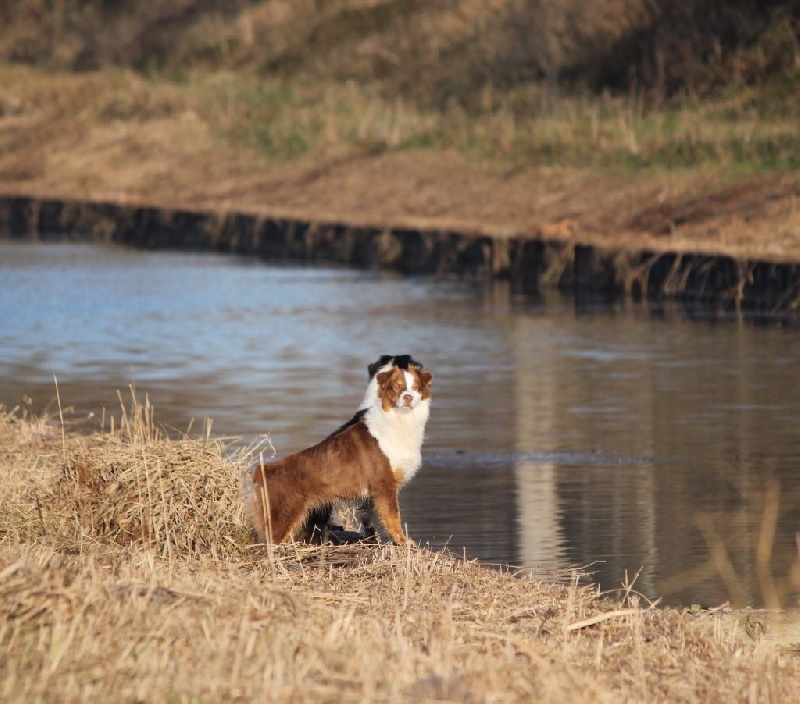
(426, 378)
(373, 368)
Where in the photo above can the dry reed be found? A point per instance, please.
(127, 574)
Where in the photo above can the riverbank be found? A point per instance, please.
(115, 155)
(553, 258)
(130, 572)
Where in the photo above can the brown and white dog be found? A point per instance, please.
(368, 459)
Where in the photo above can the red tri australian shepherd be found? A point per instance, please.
(369, 459)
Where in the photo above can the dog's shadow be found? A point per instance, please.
(348, 537)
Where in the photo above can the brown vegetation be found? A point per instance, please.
(129, 574)
(430, 52)
(120, 137)
(641, 124)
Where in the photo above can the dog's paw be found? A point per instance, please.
(346, 537)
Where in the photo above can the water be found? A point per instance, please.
(560, 435)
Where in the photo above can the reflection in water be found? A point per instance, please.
(712, 412)
(559, 436)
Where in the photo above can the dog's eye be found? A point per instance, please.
(395, 387)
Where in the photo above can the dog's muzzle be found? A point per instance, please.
(408, 399)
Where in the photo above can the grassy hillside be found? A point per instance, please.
(617, 82)
(432, 52)
(622, 117)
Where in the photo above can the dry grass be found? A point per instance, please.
(431, 53)
(408, 114)
(128, 574)
(335, 152)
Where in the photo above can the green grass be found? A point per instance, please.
(747, 131)
(285, 121)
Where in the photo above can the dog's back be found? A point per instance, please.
(346, 466)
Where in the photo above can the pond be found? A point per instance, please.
(624, 439)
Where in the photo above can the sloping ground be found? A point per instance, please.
(127, 574)
(116, 137)
(429, 53)
(758, 217)
(630, 123)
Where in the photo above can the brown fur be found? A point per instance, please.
(345, 466)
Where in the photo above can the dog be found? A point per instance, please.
(325, 524)
(368, 459)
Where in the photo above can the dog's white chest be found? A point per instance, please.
(400, 434)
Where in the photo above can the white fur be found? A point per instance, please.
(415, 395)
(399, 432)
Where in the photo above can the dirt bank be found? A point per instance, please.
(709, 213)
(117, 138)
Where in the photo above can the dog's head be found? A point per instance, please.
(387, 361)
(403, 389)
(383, 386)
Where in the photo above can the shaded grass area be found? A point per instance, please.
(429, 53)
(129, 573)
(623, 84)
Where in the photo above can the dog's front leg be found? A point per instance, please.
(385, 500)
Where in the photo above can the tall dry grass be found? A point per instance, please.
(127, 573)
(618, 84)
(428, 52)
(71, 129)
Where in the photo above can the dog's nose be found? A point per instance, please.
(408, 399)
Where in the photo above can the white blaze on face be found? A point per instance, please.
(408, 398)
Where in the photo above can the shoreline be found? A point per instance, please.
(131, 573)
(556, 256)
